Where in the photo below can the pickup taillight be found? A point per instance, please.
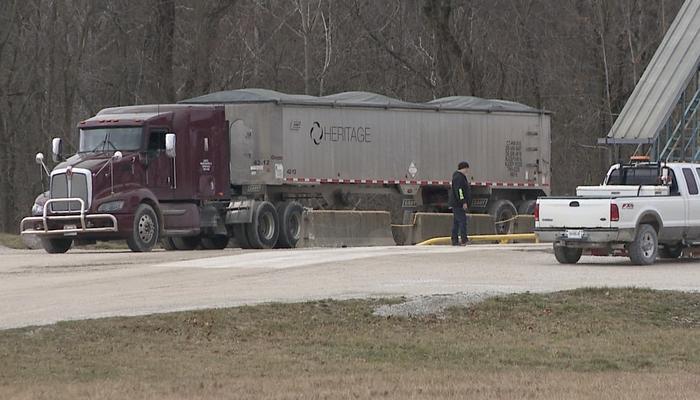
(537, 212)
(614, 212)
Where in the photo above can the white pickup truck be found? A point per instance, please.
(642, 210)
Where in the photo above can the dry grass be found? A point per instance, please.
(603, 344)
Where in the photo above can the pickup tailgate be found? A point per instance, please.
(574, 213)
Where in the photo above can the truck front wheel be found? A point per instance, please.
(567, 255)
(503, 212)
(645, 248)
(56, 246)
(144, 234)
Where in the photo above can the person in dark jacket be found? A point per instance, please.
(459, 199)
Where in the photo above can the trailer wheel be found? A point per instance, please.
(186, 242)
(527, 207)
(671, 250)
(263, 232)
(216, 242)
(645, 248)
(503, 211)
(567, 255)
(290, 218)
(56, 246)
(144, 234)
(167, 244)
(239, 233)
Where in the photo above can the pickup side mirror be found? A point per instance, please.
(57, 149)
(170, 145)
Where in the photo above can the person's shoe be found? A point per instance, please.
(455, 244)
(465, 242)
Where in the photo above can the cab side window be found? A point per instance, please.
(156, 141)
(690, 181)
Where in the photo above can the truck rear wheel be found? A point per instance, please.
(239, 233)
(645, 248)
(186, 243)
(289, 214)
(56, 246)
(567, 255)
(264, 230)
(216, 242)
(144, 234)
(527, 207)
(503, 211)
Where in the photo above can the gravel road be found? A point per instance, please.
(37, 288)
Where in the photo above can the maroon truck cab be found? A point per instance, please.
(141, 173)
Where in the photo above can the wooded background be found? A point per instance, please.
(61, 61)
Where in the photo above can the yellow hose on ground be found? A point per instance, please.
(502, 239)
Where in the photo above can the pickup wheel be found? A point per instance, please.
(144, 234)
(263, 232)
(56, 246)
(567, 255)
(216, 242)
(645, 248)
(671, 250)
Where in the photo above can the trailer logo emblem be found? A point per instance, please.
(316, 133)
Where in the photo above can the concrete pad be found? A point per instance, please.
(339, 228)
(431, 225)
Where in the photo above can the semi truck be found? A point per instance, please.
(244, 164)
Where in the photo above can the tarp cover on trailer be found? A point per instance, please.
(663, 82)
(359, 99)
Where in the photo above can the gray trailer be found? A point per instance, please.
(289, 147)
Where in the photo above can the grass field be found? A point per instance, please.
(583, 344)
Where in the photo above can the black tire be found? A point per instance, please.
(186, 243)
(645, 248)
(167, 244)
(290, 216)
(56, 246)
(216, 242)
(145, 231)
(263, 232)
(671, 250)
(503, 210)
(567, 255)
(239, 233)
(527, 207)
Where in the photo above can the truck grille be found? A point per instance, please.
(63, 187)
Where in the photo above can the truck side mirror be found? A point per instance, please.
(57, 149)
(170, 145)
(665, 176)
(39, 158)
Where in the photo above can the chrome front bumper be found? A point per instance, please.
(81, 221)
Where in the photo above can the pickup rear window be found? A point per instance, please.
(634, 176)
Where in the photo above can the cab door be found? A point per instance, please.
(159, 166)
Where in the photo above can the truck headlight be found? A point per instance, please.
(37, 209)
(111, 206)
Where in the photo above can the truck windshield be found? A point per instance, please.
(110, 139)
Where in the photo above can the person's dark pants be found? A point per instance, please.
(459, 225)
